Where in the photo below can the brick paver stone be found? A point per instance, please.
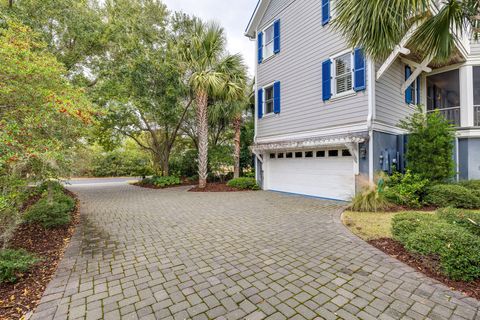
(172, 254)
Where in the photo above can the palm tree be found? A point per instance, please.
(211, 74)
(379, 25)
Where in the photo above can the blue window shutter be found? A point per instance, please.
(276, 36)
(260, 103)
(408, 91)
(326, 80)
(276, 97)
(418, 90)
(260, 47)
(359, 70)
(325, 11)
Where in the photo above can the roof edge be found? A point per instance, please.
(258, 13)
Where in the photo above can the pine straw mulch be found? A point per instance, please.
(17, 300)
(428, 265)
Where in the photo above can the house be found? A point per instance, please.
(327, 117)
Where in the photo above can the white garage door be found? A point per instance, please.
(327, 174)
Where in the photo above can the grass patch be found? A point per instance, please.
(369, 225)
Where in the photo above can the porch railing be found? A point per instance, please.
(451, 114)
(476, 116)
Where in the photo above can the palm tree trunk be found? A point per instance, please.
(202, 131)
(10, 3)
(237, 122)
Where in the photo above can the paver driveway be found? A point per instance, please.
(152, 254)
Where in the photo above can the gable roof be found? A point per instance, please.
(257, 15)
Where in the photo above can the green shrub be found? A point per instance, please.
(369, 200)
(465, 219)
(406, 223)
(470, 184)
(162, 182)
(51, 215)
(406, 189)
(13, 263)
(244, 183)
(452, 195)
(456, 247)
(430, 145)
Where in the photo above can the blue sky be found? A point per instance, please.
(232, 15)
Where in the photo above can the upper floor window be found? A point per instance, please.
(269, 41)
(343, 73)
(268, 47)
(443, 90)
(269, 99)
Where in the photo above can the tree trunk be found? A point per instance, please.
(237, 123)
(202, 131)
(10, 3)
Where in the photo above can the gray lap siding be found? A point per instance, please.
(305, 43)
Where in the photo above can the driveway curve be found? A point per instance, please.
(172, 254)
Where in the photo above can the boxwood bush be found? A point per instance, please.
(162, 181)
(466, 219)
(244, 183)
(51, 214)
(452, 195)
(404, 224)
(13, 263)
(456, 247)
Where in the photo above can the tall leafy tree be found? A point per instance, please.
(211, 73)
(379, 25)
(42, 117)
(140, 80)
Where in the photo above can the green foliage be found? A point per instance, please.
(51, 213)
(370, 199)
(447, 235)
(406, 189)
(220, 161)
(404, 224)
(246, 140)
(456, 247)
(469, 220)
(185, 164)
(162, 181)
(244, 183)
(379, 25)
(430, 146)
(473, 185)
(13, 263)
(452, 195)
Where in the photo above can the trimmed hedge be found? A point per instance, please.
(13, 263)
(466, 219)
(162, 181)
(452, 195)
(243, 183)
(51, 215)
(456, 247)
(404, 224)
(441, 235)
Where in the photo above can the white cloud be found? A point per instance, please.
(232, 15)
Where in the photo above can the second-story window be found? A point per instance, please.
(268, 100)
(343, 74)
(268, 47)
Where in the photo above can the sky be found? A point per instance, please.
(232, 15)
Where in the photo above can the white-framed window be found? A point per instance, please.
(268, 46)
(268, 91)
(343, 73)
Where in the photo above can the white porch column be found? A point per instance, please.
(466, 96)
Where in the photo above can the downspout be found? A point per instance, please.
(371, 115)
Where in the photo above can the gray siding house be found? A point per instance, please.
(327, 117)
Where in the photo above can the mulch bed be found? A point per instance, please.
(152, 186)
(216, 187)
(17, 300)
(428, 265)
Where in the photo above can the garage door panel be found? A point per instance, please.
(322, 177)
